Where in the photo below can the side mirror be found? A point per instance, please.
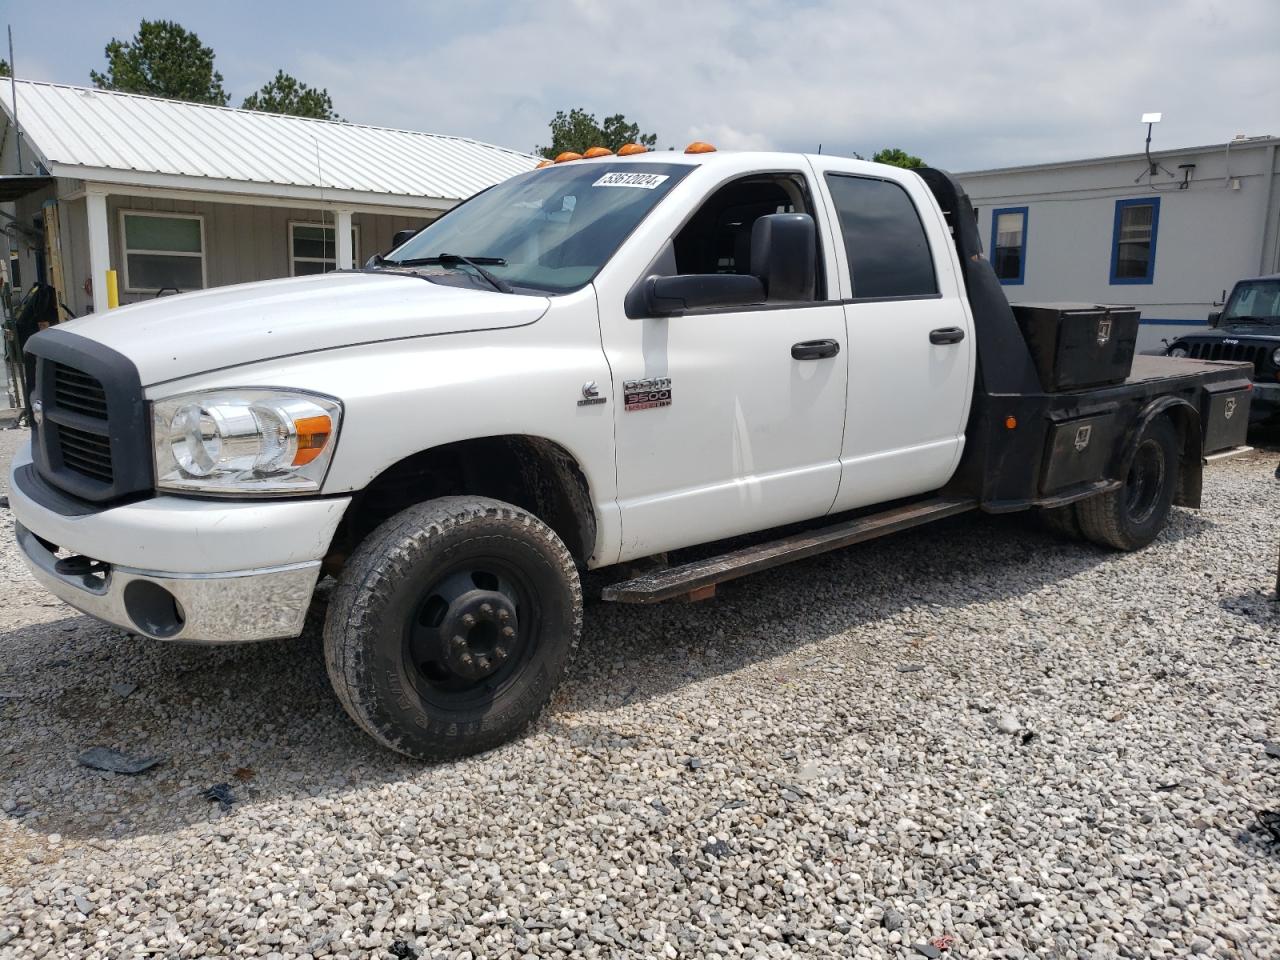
(1214, 318)
(403, 236)
(784, 254)
(668, 295)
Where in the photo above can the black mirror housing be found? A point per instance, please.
(668, 295)
(402, 237)
(784, 255)
(1214, 318)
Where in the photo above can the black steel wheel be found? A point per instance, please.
(451, 625)
(1132, 516)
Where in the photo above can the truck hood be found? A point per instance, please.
(1262, 333)
(179, 336)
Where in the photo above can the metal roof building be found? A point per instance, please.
(182, 195)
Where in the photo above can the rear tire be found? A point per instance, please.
(1132, 516)
(451, 626)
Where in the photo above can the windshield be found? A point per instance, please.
(551, 229)
(1258, 300)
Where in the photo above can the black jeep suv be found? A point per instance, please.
(1248, 328)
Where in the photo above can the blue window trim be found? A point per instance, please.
(1154, 203)
(1022, 255)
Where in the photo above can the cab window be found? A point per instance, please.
(885, 242)
(717, 239)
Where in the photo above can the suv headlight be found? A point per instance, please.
(244, 442)
(1275, 356)
(1178, 351)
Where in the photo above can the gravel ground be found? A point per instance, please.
(1036, 747)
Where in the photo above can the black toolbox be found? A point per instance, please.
(1224, 411)
(1076, 345)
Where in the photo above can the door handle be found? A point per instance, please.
(814, 349)
(946, 335)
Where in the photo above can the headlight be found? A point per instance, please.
(1275, 356)
(244, 441)
(1178, 351)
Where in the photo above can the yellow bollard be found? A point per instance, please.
(113, 290)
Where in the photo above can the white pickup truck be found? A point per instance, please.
(599, 362)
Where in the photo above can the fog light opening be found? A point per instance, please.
(153, 609)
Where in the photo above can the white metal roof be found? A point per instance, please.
(109, 137)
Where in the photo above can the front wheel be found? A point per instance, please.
(451, 626)
(1132, 516)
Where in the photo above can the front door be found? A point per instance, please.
(724, 425)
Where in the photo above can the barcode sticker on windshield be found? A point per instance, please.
(645, 181)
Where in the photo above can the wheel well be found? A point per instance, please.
(1186, 421)
(532, 473)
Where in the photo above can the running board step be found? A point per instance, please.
(697, 580)
(1227, 454)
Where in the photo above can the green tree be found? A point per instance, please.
(898, 158)
(4, 68)
(578, 130)
(163, 60)
(286, 94)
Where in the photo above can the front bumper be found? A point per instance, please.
(203, 608)
(174, 568)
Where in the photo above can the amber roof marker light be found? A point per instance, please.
(631, 149)
(699, 146)
(597, 152)
(544, 163)
(567, 156)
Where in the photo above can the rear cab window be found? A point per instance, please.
(884, 239)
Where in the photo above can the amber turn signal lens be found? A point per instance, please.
(1010, 423)
(313, 434)
(699, 146)
(544, 163)
(597, 152)
(567, 156)
(631, 149)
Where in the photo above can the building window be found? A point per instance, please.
(1009, 244)
(1133, 241)
(884, 239)
(162, 251)
(313, 248)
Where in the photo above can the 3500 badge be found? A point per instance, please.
(646, 394)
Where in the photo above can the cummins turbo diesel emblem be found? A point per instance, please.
(1082, 437)
(1104, 331)
(646, 394)
(590, 395)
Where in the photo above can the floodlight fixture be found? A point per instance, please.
(1151, 117)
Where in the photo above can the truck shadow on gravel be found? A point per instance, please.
(261, 717)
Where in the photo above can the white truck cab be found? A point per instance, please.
(599, 361)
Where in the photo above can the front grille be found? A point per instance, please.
(91, 437)
(78, 392)
(86, 453)
(1217, 350)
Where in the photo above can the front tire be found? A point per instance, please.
(451, 626)
(1132, 516)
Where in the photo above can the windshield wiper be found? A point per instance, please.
(453, 259)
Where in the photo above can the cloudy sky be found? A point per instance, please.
(966, 85)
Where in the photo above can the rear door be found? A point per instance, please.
(909, 333)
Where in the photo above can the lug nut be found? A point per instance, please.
(508, 632)
(499, 653)
(504, 615)
(466, 658)
(484, 663)
(460, 642)
(486, 608)
(468, 620)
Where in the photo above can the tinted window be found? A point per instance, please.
(883, 238)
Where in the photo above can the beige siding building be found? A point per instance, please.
(178, 196)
